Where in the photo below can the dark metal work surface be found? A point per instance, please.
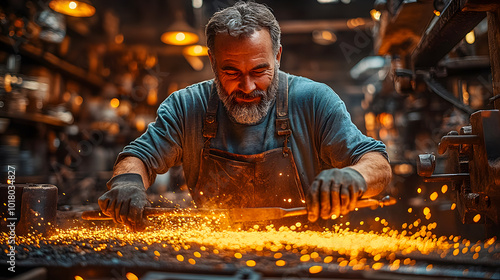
(91, 254)
(458, 18)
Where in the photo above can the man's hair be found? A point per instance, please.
(243, 19)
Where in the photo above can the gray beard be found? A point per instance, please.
(250, 113)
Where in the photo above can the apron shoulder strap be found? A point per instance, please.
(210, 123)
(282, 120)
(283, 127)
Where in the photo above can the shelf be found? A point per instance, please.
(50, 60)
(35, 117)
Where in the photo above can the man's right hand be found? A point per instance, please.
(125, 200)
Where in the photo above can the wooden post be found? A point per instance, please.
(494, 44)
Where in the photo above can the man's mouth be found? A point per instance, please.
(255, 99)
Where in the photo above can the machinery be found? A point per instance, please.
(442, 44)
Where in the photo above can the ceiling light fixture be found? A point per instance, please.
(324, 37)
(75, 8)
(196, 50)
(180, 33)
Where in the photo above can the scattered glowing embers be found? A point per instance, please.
(209, 241)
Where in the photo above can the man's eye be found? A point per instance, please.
(231, 73)
(258, 72)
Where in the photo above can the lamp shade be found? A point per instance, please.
(195, 50)
(75, 8)
(180, 33)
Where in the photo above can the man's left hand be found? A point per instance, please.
(334, 192)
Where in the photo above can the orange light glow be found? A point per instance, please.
(386, 120)
(375, 14)
(131, 276)
(195, 50)
(315, 269)
(433, 196)
(444, 188)
(179, 38)
(114, 102)
(72, 8)
(280, 263)
(477, 218)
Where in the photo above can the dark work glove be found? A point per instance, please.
(334, 192)
(125, 200)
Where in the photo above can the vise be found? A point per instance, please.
(473, 167)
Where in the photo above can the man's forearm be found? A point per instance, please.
(376, 171)
(132, 164)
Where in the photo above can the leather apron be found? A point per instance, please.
(268, 179)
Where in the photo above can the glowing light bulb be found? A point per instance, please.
(180, 36)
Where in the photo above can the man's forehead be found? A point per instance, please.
(263, 36)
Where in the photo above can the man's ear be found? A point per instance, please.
(211, 57)
(278, 55)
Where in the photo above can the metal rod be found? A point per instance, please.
(449, 140)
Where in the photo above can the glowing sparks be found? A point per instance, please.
(433, 196)
(477, 218)
(305, 258)
(193, 243)
(315, 269)
(444, 188)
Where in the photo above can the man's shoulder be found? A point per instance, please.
(192, 97)
(302, 87)
(201, 88)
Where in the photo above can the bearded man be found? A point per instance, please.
(252, 137)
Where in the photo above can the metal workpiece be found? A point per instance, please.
(236, 215)
(34, 210)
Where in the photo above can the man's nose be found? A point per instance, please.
(247, 84)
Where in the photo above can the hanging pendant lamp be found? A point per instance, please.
(75, 8)
(180, 33)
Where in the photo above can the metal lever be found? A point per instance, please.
(425, 167)
(450, 140)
